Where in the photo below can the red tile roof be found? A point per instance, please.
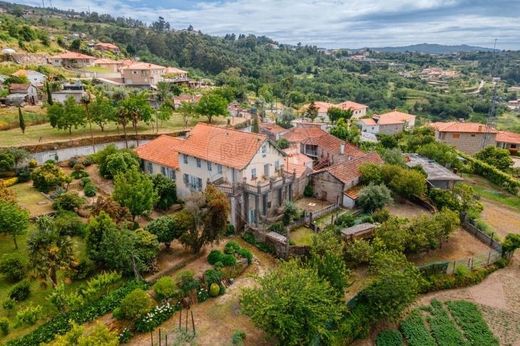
(351, 105)
(508, 137)
(272, 127)
(368, 121)
(228, 147)
(143, 66)
(456, 126)
(163, 150)
(18, 87)
(348, 170)
(73, 55)
(297, 162)
(394, 117)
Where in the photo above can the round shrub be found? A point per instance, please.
(4, 326)
(186, 282)
(13, 267)
(229, 260)
(231, 247)
(212, 276)
(214, 290)
(215, 256)
(246, 254)
(8, 305)
(135, 305)
(85, 180)
(89, 190)
(68, 201)
(222, 290)
(165, 288)
(345, 220)
(20, 291)
(230, 230)
(68, 223)
(48, 176)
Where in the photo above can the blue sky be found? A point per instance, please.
(331, 23)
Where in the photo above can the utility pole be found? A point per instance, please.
(491, 118)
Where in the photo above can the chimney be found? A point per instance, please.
(480, 128)
(342, 149)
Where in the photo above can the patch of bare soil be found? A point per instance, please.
(104, 186)
(406, 209)
(217, 319)
(460, 245)
(501, 218)
(499, 298)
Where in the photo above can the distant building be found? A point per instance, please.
(175, 74)
(72, 59)
(272, 130)
(103, 46)
(358, 110)
(112, 65)
(437, 175)
(467, 137)
(333, 183)
(142, 74)
(179, 100)
(22, 93)
(388, 123)
(76, 91)
(508, 140)
(34, 77)
(514, 104)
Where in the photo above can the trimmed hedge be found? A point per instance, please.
(496, 176)
(63, 322)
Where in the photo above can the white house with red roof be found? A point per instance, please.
(246, 166)
(508, 140)
(72, 59)
(142, 74)
(358, 110)
(390, 123)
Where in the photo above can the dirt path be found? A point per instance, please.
(501, 218)
(217, 319)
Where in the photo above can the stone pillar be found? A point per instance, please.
(257, 213)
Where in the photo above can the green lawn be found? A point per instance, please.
(302, 236)
(492, 192)
(44, 133)
(33, 115)
(31, 199)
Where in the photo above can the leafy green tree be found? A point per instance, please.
(326, 256)
(409, 183)
(13, 220)
(346, 131)
(395, 288)
(335, 114)
(392, 235)
(67, 115)
(49, 251)
(21, 120)
(135, 305)
(212, 104)
(166, 191)
(188, 111)
(119, 162)
(312, 111)
(282, 143)
(102, 110)
(511, 243)
(205, 218)
(393, 156)
(79, 336)
(7, 161)
(135, 108)
(293, 304)
(373, 197)
(50, 102)
(440, 153)
(166, 228)
(134, 190)
(499, 158)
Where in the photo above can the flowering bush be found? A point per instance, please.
(154, 318)
(125, 336)
(202, 295)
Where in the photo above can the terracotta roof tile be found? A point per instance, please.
(394, 117)
(297, 162)
(228, 147)
(351, 105)
(144, 66)
(508, 137)
(163, 150)
(456, 126)
(272, 127)
(73, 55)
(348, 171)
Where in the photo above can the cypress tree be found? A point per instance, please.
(21, 120)
(49, 95)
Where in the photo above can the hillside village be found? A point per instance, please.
(144, 202)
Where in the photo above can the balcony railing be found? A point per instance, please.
(262, 186)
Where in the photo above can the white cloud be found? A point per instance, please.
(334, 23)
